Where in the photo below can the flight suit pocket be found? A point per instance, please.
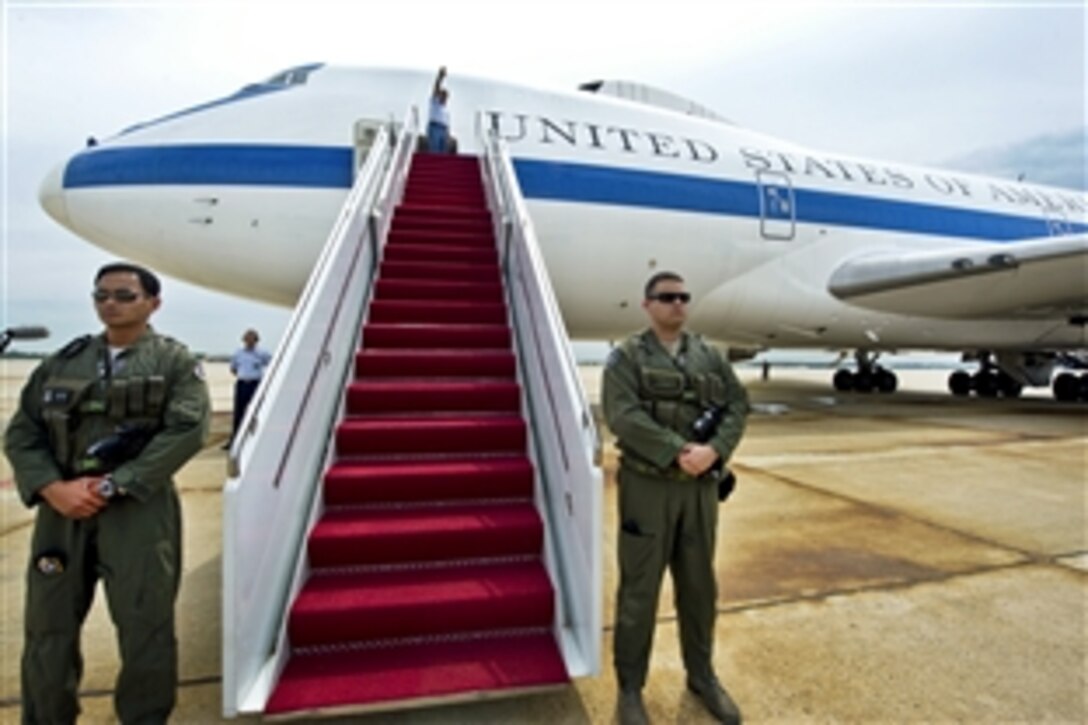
(662, 384)
(61, 397)
(53, 592)
(636, 552)
(662, 391)
(62, 402)
(711, 389)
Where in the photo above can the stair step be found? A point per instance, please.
(417, 673)
(357, 606)
(430, 335)
(388, 435)
(415, 212)
(418, 269)
(467, 199)
(441, 184)
(474, 254)
(493, 313)
(424, 160)
(441, 362)
(351, 537)
(408, 289)
(445, 237)
(348, 483)
(471, 169)
(445, 178)
(396, 395)
(443, 222)
(469, 172)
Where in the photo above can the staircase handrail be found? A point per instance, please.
(284, 442)
(567, 444)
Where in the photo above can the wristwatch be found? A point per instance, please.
(107, 489)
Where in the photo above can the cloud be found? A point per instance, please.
(1057, 159)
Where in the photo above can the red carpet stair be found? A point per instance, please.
(427, 580)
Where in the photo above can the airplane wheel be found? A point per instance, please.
(985, 384)
(886, 381)
(1066, 387)
(863, 382)
(843, 381)
(1008, 385)
(959, 383)
(1084, 387)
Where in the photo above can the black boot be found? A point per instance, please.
(714, 697)
(630, 708)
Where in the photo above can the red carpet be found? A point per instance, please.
(427, 581)
(400, 673)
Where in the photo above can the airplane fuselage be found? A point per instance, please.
(239, 195)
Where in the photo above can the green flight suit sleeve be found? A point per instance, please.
(627, 418)
(731, 428)
(185, 425)
(26, 442)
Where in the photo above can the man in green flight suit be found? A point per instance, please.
(102, 426)
(655, 386)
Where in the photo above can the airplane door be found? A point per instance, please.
(366, 130)
(776, 205)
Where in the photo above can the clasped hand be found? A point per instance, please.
(75, 499)
(695, 459)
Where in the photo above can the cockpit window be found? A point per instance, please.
(280, 82)
(293, 76)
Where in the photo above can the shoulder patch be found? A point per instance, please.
(75, 347)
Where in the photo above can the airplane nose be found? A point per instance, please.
(51, 195)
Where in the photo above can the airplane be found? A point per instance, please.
(782, 246)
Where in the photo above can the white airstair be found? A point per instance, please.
(319, 558)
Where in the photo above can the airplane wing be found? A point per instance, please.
(1023, 279)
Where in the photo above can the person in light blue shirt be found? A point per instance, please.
(438, 120)
(247, 365)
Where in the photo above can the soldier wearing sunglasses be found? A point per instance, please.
(101, 428)
(655, 386)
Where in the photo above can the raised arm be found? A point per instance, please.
(438, 81)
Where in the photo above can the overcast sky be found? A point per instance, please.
(994, 87)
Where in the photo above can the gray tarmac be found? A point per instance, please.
(904, 558)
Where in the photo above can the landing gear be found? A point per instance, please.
(989, 382)
(1000, 374)
(1069, 387)
(959, 383)
(1009, 386)
(869, 376)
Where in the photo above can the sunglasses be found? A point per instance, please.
(120, 295)
(669, 297)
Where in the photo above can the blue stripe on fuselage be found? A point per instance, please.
(610, 185)
(331, 167)
(215, 164)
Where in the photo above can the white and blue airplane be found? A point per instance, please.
(782, 246)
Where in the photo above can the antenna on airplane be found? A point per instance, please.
(21, 333)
